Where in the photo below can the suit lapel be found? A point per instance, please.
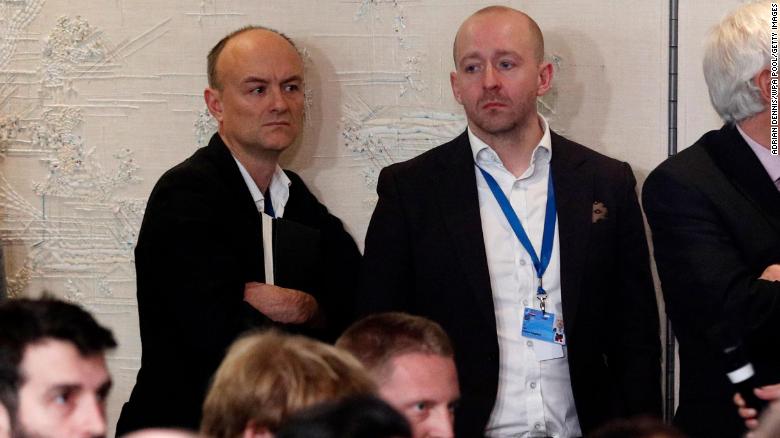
(228, 170)
(459, 202)
(734, 157)
(574, 203)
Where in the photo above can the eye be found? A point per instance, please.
(62, 398)
(292, 88)
(421, 406)
(471, 68)
(452, 406)
(259, 90)
(505, 65)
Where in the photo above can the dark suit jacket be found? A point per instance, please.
(200, 241)
(715, 218)
(425, 255)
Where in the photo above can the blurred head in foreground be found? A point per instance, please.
(267, 376)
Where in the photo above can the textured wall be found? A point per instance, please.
(98, 98)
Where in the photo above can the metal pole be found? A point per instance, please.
(672, 149)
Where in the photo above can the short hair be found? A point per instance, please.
(355, 417)
(266, 376)
(377, 339)
(25, 322)
(536, 31)
(213, 56)
(735, 51)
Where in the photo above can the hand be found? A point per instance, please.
(769, 392)
(283, 305)
(771, 273)
(770, 423)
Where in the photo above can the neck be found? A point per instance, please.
(757, 128)
(261, 165)
(514, 148)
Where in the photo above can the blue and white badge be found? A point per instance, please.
(543, 326)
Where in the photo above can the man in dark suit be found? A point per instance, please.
(440, 245)
(714, 212)
(199, 259)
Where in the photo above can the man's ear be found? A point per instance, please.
(545, 78)
(213, 102)
(763, 81)
(454, 85)
(252, 430)
(5, 422)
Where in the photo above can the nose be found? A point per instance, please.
(490, 78)
(91, 418)
(279, 103)
(440, 424)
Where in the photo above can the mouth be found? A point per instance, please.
(493, 104)
(279, 123)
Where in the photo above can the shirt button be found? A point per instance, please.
(522, 262)
(537, 426)
(529, 343)
(532, 385)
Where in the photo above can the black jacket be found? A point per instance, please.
(200, 241)
(425, 255)
(715, 219)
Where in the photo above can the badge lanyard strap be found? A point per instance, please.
(540, 265)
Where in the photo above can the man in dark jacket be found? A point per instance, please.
(714, 212)
(202, 275)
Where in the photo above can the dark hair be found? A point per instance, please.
(356, 417)
(637, 427)
(213, 56)
(377, 339)
(27, 321)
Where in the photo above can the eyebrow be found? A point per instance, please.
(254, 79)
(105, 388)
(476, 54)
(71, 387)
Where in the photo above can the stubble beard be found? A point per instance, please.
(502, 122)
(18, 431)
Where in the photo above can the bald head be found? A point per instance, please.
(493, 15)
(270, 35)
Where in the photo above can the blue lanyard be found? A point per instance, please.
(268, 205)
(540, 265)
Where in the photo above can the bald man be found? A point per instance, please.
(199, 259)
(529, 249)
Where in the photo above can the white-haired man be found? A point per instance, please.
(714, 211)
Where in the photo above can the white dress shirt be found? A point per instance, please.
(534, 397)
(279, 187)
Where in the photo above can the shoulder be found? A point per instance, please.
(690, 176)
(209, 177)
(433, 161)
(691, 165)
(572, 155)
(210, 167)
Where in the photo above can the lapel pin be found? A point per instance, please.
(599, 212)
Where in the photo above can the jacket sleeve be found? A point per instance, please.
(338, 275)
(386, 275)
(634, 353)
(705, 276)
(190, 275)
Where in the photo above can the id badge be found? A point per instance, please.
(543, 326)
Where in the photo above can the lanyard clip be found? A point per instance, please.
(541, 295)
